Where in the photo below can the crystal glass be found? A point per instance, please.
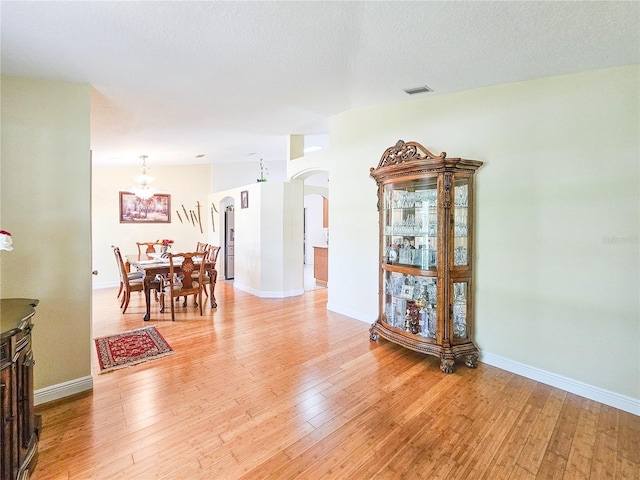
(460, 309)
(461, 222)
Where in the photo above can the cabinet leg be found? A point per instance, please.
(446, 364)
(373, 335)
(471, 360)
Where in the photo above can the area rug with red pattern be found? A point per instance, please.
(130, 348)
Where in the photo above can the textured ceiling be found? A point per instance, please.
(229, 79)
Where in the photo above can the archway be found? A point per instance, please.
(315, 235)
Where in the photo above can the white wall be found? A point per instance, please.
(187, 185)
(557, 273)
(268, 237)
(45, 174)
(315, 236)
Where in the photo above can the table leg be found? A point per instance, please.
(147, 298)
(212, 286)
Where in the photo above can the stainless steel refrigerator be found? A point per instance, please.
(228, 243)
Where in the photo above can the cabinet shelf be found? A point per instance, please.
(426, 240)
(409, 269)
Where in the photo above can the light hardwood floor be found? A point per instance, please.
(283, 389)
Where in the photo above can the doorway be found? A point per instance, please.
(316, 230)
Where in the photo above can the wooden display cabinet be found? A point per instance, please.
(20, 426)
(426, 205)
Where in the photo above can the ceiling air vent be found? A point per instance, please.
(413, 91)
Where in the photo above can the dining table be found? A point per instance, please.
(152, 265)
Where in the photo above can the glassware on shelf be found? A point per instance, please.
(459, 320)
(460, 228)
(400, 199)
(431, 321)
(421, 302)
(461, 195)
(459, 309)
(410, 303)
(460, 256)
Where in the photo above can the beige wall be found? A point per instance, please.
(186, 184)
(45, 205)
(557, 278)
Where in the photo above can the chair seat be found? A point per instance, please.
(205, 278)
(129, 281)
(177, 289)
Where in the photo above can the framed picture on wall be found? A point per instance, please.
(244, 199)
(157, 209)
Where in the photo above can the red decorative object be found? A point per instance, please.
(5, 241)
(130, 348)
(413, 316)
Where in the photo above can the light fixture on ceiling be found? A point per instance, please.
(415, 90)
(263, 171)
(143, 191)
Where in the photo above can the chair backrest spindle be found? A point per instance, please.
(212, 254)
(148, 247)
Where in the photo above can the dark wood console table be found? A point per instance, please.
(20, 426)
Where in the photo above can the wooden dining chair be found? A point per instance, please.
(212, 257)
(147, 247)
(202, 247)
(185, 278)
(131, 275)
(128, 284)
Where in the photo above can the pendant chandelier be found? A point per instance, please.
(143, 191)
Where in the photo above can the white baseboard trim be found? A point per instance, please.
(98, 286)
(268, 294)
(616, 400)
(350, 313)
(61, 390)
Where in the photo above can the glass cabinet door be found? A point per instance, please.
(410, 224)
(461, 222)
(410, 303)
